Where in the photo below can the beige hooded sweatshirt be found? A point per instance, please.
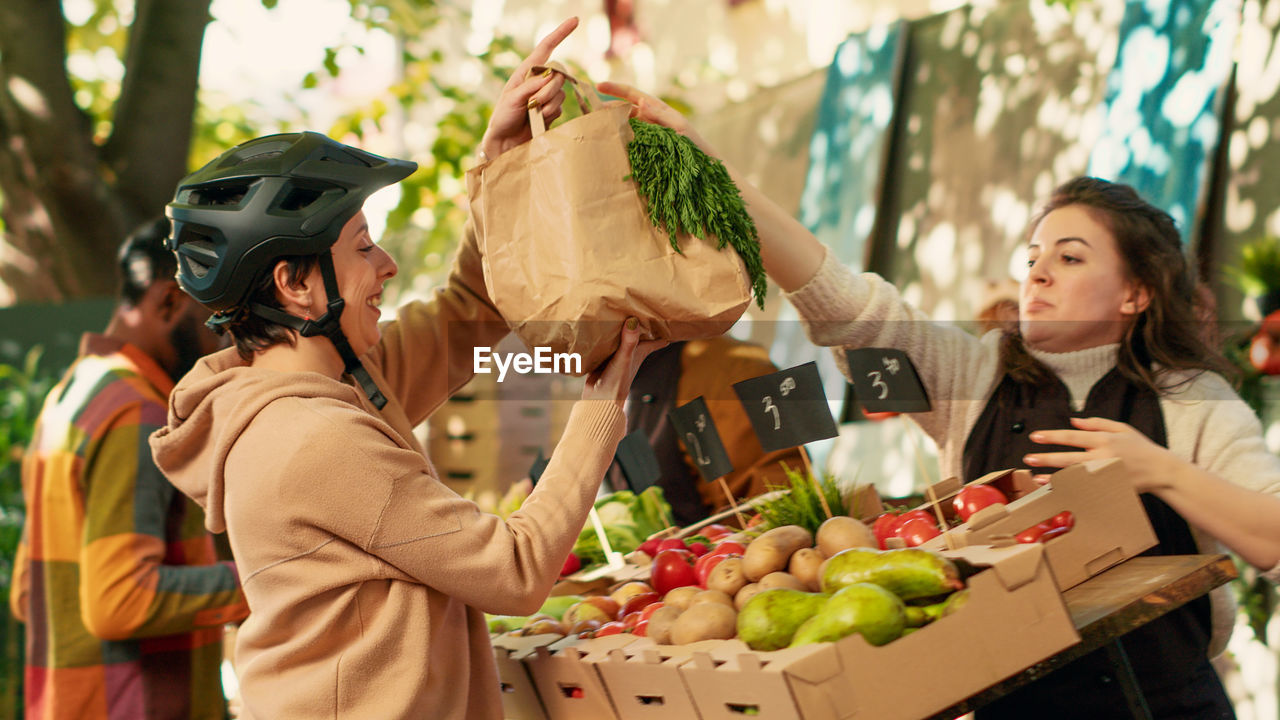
(366, 577)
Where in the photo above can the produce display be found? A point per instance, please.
(783, 588)
(918, 526)
(628, 520)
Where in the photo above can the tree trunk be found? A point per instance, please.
(67, 202)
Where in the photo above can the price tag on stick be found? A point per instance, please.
(638, 461)
(697, 432)
(539, 466)
(884, 380)
(787, 408)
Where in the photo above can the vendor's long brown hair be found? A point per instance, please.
(1172, 332)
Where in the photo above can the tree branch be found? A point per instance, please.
(151, 133)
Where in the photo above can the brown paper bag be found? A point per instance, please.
(570, 253)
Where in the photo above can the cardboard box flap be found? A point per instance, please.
(1014, 565)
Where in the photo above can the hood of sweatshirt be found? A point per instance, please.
(209, 409)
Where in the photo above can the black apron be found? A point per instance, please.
(1170, 654)
(651, 398)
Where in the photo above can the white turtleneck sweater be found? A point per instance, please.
(1206, 422)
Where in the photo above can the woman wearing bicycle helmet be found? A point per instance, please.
(366, 576)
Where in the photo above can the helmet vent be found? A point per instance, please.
(218, 194)
(198, 257)
(299, 198)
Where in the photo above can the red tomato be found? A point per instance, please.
(715, 531)
(1052, 533)
(672, 569)
(918, 512)
(639, 602)
(571, 565)
(1033, 533)
(610, 628)
(1064, 519)
(650, 609)
(1264, 354)
(699, 548)
(973, 498)
(883, 527)
(728, 547)
(671, 544)
(917, 531)
(650, 547)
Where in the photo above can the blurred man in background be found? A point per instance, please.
(116, 577)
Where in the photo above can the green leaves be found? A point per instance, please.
(802, 504)
(689, 192)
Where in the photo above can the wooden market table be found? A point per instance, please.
(1111, 604)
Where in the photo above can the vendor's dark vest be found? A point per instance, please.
(1169, 655)
(651, 399)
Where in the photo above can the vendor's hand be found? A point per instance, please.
(1149, 465)
(612, 381)
(509, 124)
(651, 109)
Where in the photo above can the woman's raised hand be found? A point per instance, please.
(651, 109)
(509, 125)
(612, 381)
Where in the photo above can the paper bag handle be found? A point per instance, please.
(583, 91)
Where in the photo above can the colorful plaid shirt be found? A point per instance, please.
(116, 577)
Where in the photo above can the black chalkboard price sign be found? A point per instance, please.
(884, 380)
(697, 432)
(787, 408)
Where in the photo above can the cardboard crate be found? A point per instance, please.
(566, 677)
(1111, 525)
(1015, 618)
(519, 697)
(644, 681)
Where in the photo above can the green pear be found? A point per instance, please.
(870, 610)
(909, 573)
(771, 616)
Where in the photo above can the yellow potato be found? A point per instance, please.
(704, 621)
(660, 624)
(804, 565)
(843, 532)
(715, 596)
(727, 576)
(773, 550)
(747, 592)
(781, 580)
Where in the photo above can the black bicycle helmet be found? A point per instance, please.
(270, 198)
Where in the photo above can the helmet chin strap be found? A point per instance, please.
(329, 326)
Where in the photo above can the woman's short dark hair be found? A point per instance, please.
(1170, 333)
(252, 333)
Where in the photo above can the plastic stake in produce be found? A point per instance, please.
(613, 558)
(932, 496)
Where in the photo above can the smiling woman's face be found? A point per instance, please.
(362, 268)
(1077, 293)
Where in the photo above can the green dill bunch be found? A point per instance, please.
(689, 192)
(802, 505)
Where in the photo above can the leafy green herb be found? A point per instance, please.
(688, 191)
(802, 505)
